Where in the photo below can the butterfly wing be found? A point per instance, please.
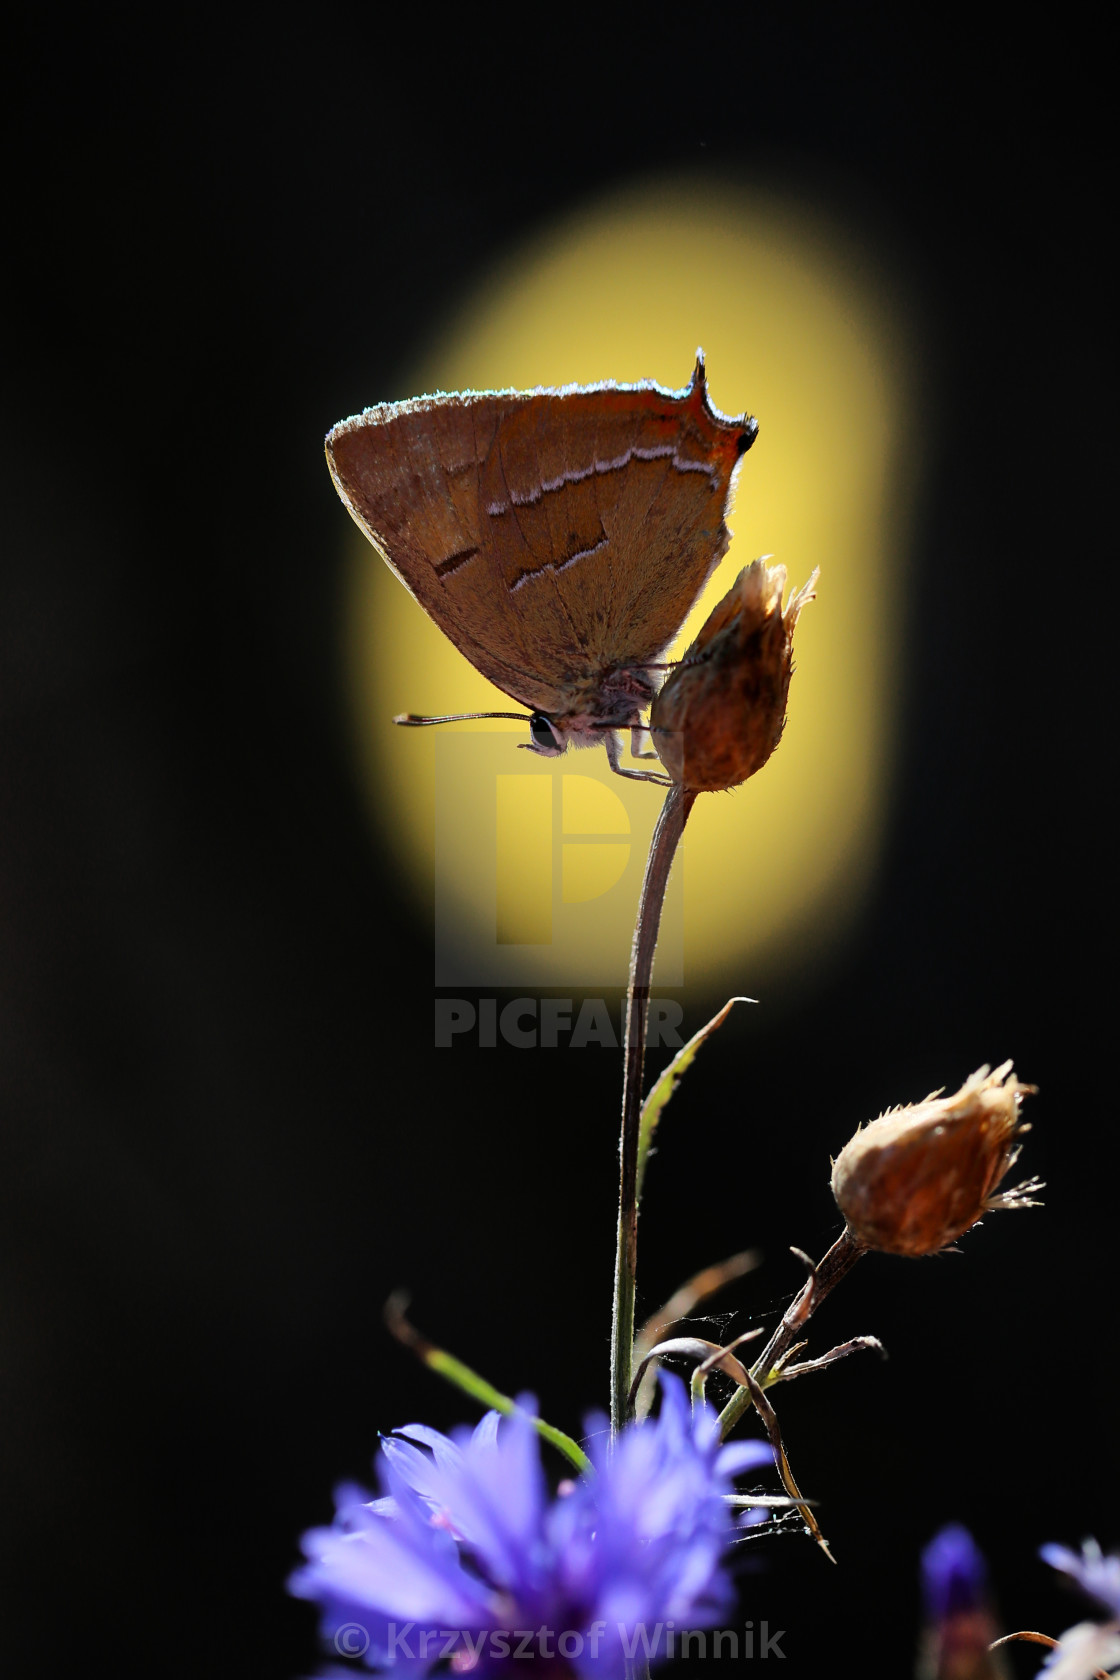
(552, 535)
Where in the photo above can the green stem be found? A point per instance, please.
(663, 846)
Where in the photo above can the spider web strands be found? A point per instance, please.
(770, 1421)
(700, 1287)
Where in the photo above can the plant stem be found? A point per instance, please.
(663, 846)
(836, 1264)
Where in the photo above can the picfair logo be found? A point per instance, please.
(538, 868)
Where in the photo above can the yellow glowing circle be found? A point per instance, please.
(798, 329)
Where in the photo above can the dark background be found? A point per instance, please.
(225, 1133)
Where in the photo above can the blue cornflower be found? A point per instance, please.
(467, 1557)
(1097, 1573)
(1089, 1647)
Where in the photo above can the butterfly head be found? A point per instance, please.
(547, 739)
(552, 736)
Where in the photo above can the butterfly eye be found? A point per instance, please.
(544, 736)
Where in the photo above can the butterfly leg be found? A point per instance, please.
(637, 732)
(612, 742)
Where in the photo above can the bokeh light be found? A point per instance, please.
(801, 327)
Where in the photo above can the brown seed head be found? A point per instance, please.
(914, 1180)
(721, 713)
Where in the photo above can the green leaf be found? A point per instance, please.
(667, 1084)
(453, 1370)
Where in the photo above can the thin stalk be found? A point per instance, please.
(666, 837)
(836, 1264)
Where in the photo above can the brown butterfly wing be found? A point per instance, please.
(552, 535)
(409, 475)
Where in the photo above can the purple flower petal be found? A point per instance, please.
(1097, 1573)
(467, 1539)
(741, 1456)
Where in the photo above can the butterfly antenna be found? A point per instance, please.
(414, 722)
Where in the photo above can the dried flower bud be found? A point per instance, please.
(914, 1180)
(722, 711)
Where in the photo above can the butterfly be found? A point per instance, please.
(559, 537)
